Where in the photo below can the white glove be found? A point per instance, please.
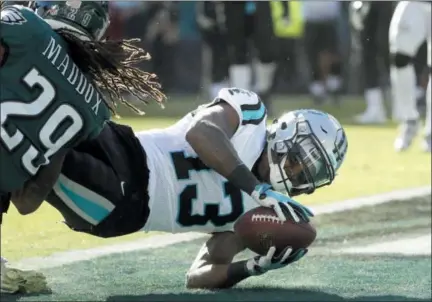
(17, 281)
(282, 204)
(262, 264)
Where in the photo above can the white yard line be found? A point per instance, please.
(158, 241)
(355, 203)
(62, 258)
(420, 246)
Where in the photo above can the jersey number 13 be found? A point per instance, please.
(183, 165)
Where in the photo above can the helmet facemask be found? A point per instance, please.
(300, 149)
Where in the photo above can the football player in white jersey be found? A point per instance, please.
(201, 174)
(409, 28)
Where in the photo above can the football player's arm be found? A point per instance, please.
(213, 267)
(209, 136)
(30, 197)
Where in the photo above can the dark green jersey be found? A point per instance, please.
(46, 102)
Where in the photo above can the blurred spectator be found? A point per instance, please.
(156, 24)
(322, 48)
(410, 26)
(288, 27)
(210, 17)
(422, 72)
(371, 20)
(251, 23)
(162, 33)
(120, 11)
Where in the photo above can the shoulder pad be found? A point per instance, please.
(19, 24)
(248, 105)
(14, 15)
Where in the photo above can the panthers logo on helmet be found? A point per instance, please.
(12, 16)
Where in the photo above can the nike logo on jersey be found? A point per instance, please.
(12, 16)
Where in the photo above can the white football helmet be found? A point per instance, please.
(312, 139)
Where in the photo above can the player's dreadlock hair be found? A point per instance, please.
(110, 64)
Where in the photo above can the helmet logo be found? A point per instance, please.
(323, 130)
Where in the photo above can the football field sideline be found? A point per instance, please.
(367, 249)
(420, 246)
(163, 240)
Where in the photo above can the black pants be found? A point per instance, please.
(375, 42)
(215, 38)
(257, 27)
(216, 41)
(102, 189)
(321, 36)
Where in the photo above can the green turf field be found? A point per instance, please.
(328, 273)
(371, 167)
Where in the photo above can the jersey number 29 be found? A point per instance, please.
(61, 127)
(183, 165)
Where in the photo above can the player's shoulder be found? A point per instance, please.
(239, 96)
(248, 105)
(16, 15)
(18, 21)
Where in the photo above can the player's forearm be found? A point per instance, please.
(30, 197)
(216, 151)
(218, 276)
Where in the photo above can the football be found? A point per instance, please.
(261, 229)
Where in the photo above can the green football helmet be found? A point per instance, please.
(90, 19)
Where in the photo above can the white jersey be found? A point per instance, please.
(185, 195)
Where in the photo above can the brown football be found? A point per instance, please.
(261, 229)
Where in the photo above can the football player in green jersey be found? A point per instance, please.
(53, 67)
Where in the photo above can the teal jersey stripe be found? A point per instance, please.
(89, 207)
(255, 114)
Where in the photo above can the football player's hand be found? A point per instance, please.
(262, 264)
(282, 204)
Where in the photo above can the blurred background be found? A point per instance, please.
(319, 52)
(198, 47)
